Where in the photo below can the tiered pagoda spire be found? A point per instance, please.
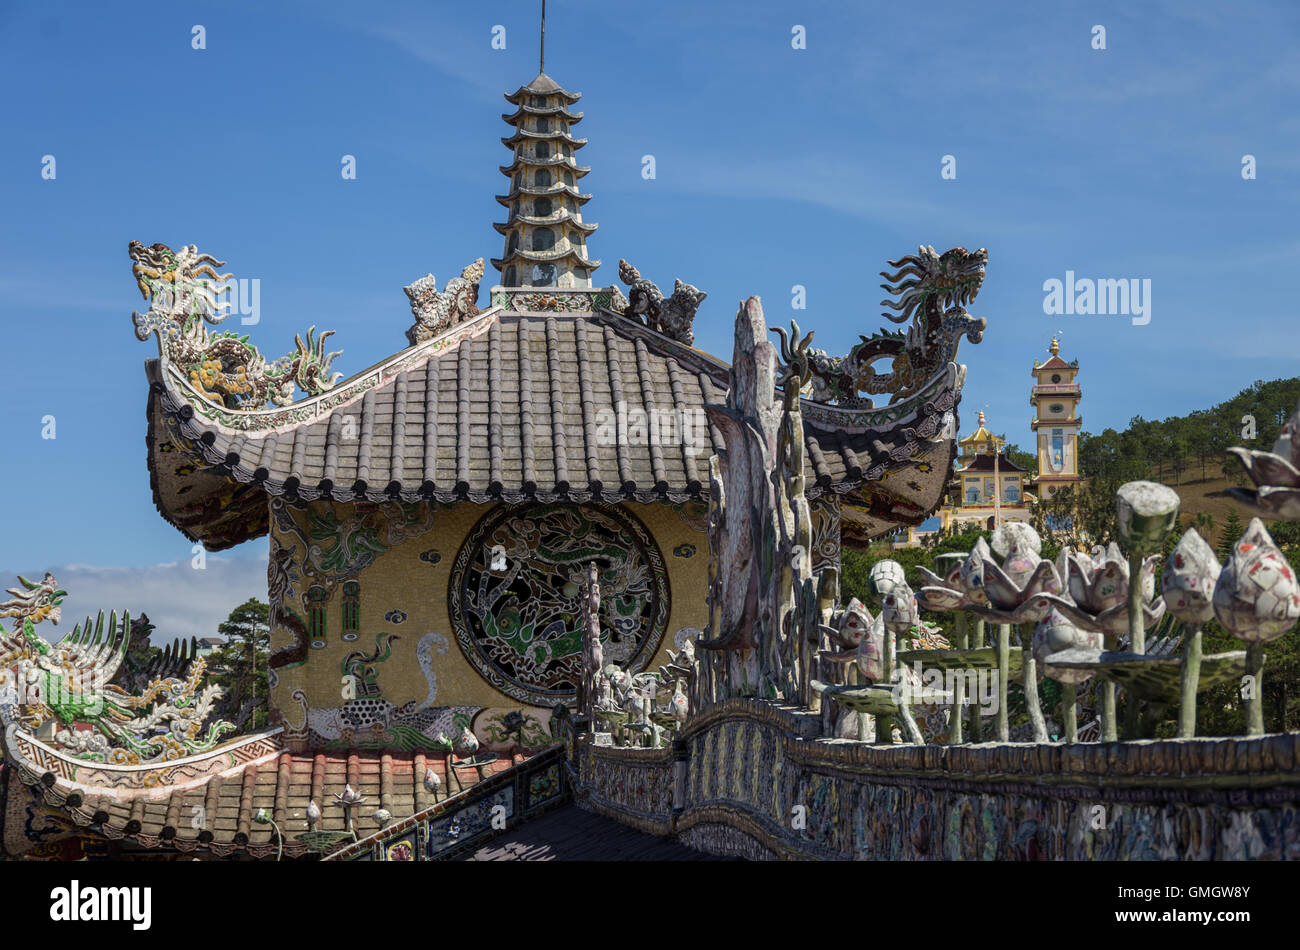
(546, 238)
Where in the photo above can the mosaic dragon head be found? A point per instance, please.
(932, 290)
(34, 602)
(928, 280)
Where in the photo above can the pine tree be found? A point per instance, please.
(1231, 534)
(240, 664)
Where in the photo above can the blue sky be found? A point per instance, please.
(775, 167)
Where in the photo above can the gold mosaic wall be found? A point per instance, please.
(407, 690)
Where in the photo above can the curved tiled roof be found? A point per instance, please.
(207, 802)
(555, 188)
(543, 85)
(512, 407)
(563, 216)
(525, 135)
(554, 254)
(579, 171)
(523, 110)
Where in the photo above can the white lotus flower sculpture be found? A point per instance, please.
(1007, 593)
(1098, 586)
(1276, 475)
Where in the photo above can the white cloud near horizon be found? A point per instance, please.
(180, 601)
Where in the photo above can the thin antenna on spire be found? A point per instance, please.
(541, 61)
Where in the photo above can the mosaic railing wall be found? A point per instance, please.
(748, 779)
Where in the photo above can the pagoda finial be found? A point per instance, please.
(545, 236)
(981, 425)
(1055, 347)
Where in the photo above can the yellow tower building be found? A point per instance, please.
(1055, 398)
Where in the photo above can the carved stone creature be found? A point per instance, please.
(437, 312)
(672, 316)
(932, 291)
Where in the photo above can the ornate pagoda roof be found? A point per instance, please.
(509, 406)
(981, 436)
(543, 85)
(154, 807)
(984, 463)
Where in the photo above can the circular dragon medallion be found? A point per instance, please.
(515, 603)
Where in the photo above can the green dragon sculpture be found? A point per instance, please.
(184, 293)
(65, 692)
(932, 291)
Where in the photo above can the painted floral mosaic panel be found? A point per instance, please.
(515, 596)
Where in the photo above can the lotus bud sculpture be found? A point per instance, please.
(1257, 599)
(885, 576)
(1146, 513)
(853, 624)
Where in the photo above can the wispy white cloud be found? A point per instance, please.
(179, 600)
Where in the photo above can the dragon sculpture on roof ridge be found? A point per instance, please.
(932, 290)
(68, 694)
(185, 294)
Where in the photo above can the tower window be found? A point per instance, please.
(542, 208)
(1056, 377)
(512, 276)
(568, 179)
(543, 150)
(543, 178)
(1056, 407)
(1058, 448)
(543, 275)
(543, 124)
(543, 239)
(513, 244)
(538, 102)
